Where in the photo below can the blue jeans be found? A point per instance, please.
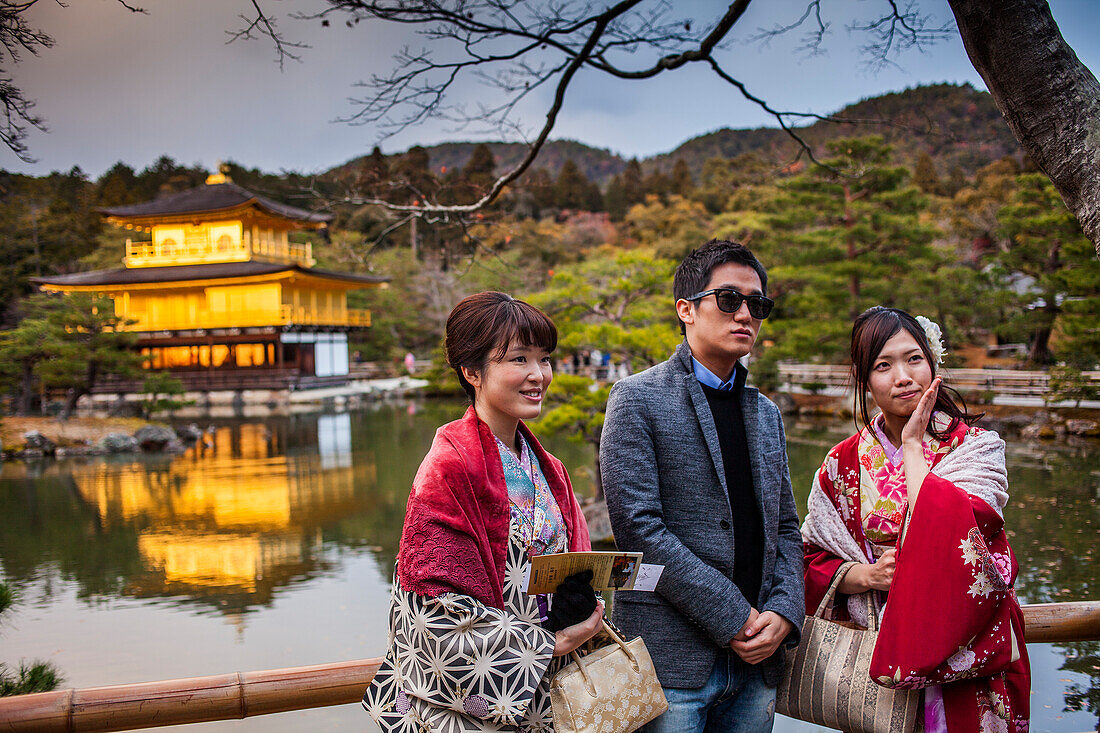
(734, 700)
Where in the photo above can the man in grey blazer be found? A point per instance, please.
(694, 467)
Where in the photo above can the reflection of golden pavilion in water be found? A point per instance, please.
(235, 519)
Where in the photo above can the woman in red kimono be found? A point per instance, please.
(469, 649)
(912, 506)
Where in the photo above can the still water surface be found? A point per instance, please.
(274, 548)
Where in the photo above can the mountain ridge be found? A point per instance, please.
(957, 125)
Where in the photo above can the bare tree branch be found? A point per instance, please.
(262, 25)
(518, 47)
(898, 31)
(17, 37)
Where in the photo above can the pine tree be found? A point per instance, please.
(1049, 248)
(478, 171)
(849, 236)
(87, 343)
(374, 173)
(633, 183)
(924, 174)
(681, 182)
(615, 199)
(571, 187)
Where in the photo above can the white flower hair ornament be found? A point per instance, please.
(935, 338)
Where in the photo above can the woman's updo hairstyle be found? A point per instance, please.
(482, 327)
(870, 332)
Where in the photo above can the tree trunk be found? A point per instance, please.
(26, 390)
(1050, 99)
(79, 391)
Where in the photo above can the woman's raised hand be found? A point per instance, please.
(913, 432)
(572, 637)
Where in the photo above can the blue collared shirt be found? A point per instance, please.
(710, 379)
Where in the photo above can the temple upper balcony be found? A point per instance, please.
(215, 223)
(226, 241)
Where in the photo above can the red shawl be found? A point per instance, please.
(455, 538)
(952, 617)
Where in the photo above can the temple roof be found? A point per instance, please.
(181, 273)
(211, 198)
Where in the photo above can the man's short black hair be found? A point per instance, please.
(694, 272)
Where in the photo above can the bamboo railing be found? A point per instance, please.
(245, 694)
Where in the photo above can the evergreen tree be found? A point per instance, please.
(166, 176)
(571, 189)
(681, 182)
(615, 199)
(374, 173)
(924, 174)
(593, 197)
(48, 224)
(22, 350)
(633, 183)
(615, 301)
(849, 236)
(658, 184)
(88, 342)
(117, 187)
(1049, 248)
(413, 174)
(478, 171)
(540, 188)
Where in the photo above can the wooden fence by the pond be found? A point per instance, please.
(245, 694)
(1001, 382)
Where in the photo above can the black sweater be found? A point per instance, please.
(748, 531)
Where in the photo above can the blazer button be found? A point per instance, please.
(724, 524)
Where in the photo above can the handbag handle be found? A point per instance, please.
(618, 640)
(830, 594)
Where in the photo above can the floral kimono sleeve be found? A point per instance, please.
(952, 617)
(835, 490)
(455, 664)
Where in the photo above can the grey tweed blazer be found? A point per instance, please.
(665, 484)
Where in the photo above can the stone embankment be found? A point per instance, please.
(37, 438)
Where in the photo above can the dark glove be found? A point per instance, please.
(573, 602)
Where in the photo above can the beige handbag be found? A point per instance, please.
(612, 690)
(827, 680)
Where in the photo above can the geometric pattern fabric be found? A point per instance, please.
(455, 665)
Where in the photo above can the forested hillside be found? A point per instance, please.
(937, 213)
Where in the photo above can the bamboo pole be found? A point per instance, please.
(188, 700)
(245, 694)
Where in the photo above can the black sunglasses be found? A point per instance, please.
(729, 301)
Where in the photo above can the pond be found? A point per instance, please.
(273, 547)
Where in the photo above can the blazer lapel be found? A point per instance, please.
(750, 410)
(703, 416)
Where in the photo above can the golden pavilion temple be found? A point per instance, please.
(221, 297)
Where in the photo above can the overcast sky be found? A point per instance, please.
(120, 86)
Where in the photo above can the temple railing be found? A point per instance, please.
(284, 315)
(245, 694)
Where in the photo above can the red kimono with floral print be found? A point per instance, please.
(952, 617)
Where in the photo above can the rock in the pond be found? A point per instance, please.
(1090, 428)
(1007, 424)
(36, 441)
(599, 524)
(119, 443)
(189, 433)
(1037, 431)
(155, 438)
(785, 403)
